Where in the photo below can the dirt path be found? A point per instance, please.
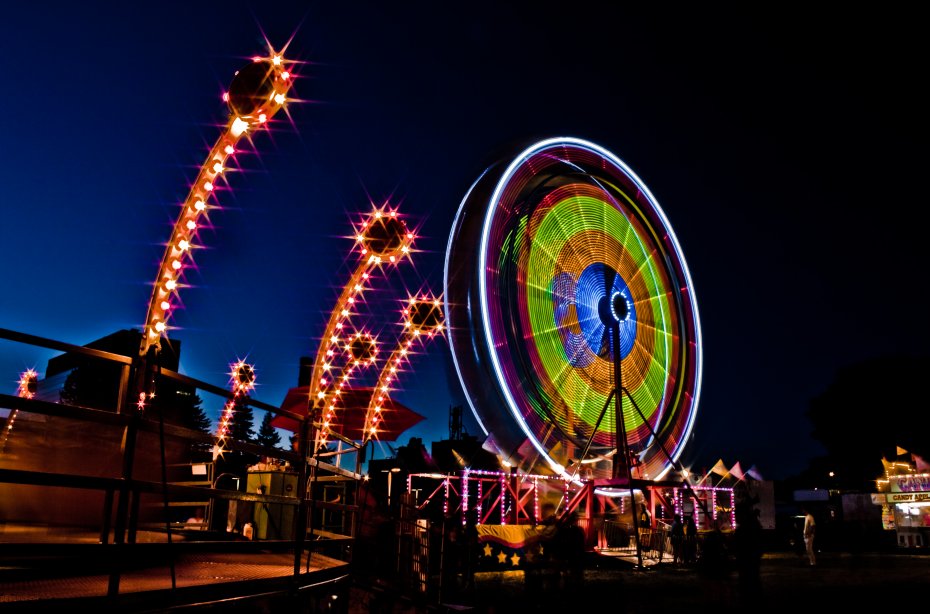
(787, 584)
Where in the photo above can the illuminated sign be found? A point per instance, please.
(910, 483)
(912, 497)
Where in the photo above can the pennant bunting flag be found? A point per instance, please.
(887, 465)
(736, 471)
(920, 463)
(720, 469)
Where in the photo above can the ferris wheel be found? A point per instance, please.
(564, 284)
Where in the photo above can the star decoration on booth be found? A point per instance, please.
(488, 550)
(502, 558)
(515, 559)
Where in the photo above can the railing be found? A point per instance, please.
(654, 542)
(99, 477)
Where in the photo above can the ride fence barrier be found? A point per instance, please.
(98, 485)
(654, 542)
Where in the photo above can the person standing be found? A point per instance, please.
(470, 551)
(689, 543)
(678, 538)
(570, 554)
(810, 528)
(748, 543)
(713, 567)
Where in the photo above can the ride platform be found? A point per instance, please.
(49, 576)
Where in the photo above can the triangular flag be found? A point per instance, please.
(900, 451)
(719, 468)
(702, 479)
(921, 464)
(887, 465)
(753, 473)
(736, 471)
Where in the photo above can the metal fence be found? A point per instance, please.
(122, 482)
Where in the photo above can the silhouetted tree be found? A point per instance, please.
(71, 388)
(868, 410)
(243, 422)
(96, 386)
(240, 429)
(267, 435)
(194, 417)
(183, 407)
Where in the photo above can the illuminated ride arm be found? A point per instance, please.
(256, 93)
(382, 238)
(242, 380)
(362, 350)
(421, 318)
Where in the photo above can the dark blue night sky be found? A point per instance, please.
(787, 149)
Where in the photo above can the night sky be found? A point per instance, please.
(788, 150)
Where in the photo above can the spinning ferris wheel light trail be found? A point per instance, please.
(577, 294)
(257, 92)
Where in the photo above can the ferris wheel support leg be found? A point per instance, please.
(622, 455)
(597, 425)
(676, 464)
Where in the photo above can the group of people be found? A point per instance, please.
(684, 540)
(556, 569)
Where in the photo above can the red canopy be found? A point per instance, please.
(350, 414)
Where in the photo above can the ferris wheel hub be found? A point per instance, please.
(614, 310)
(620, 307)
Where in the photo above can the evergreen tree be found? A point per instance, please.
(69, 393)
(197, 417)
(852, 418)
(267, 435)
(182, 406)
(243, 422)
(240, 430)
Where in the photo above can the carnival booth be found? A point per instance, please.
(512, 511)
(519, 516)
(904, 495)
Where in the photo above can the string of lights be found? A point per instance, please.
(242, 381)
(27, 387)
(257, 92)
(382, 237)
(422, 320)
